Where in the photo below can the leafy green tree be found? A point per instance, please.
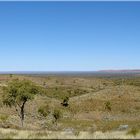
(17, 93)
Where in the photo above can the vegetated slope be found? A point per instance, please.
(95, 104)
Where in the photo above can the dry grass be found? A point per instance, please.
(24, 134)
(87, 110)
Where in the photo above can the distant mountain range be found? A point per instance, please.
(121, 71)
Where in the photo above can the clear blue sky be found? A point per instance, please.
(65, 36)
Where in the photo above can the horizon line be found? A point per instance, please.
(69, 70)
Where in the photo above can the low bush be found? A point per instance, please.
(3, 118)
(57, 114)
(44, 110)
(65, 101)
(134, 131)
(108, 105)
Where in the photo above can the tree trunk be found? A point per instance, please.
(22, 113)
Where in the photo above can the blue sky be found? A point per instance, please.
(69, 36)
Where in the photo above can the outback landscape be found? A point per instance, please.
(69, 69)
(75, 105)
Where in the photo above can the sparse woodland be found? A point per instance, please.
(70, 104)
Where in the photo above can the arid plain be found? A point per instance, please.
(98, 106)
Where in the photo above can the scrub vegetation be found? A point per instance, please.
(71, 106)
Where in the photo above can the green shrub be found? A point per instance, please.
(65, 101)
(57, 114)
(134, 131)
(108, 105)
(3, 118)
(44, 110)
(76, 133)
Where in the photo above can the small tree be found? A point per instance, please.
(57, 115)
(17, 93)
(65, 101)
